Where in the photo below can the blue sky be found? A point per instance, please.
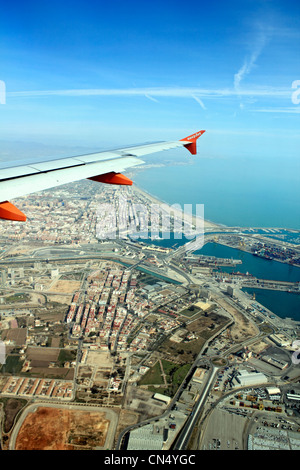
(97, 74)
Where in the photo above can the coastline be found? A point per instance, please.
(236, 207)
(191, 218)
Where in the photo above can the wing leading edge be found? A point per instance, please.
(105, 167)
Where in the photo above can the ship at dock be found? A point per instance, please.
(263, 254)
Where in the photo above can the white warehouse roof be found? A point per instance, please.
(273, 391)
(251, 378)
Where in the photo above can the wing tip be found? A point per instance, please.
(191, 141)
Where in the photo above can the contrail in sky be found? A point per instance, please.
(250, 62)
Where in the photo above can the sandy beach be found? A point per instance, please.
(193, 219)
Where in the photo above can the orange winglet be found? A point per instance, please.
(10, 212)
(191, 140)
(112, 178)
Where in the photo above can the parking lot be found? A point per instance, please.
(224, 431)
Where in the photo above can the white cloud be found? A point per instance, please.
(248, 95)
(290, 110)
(166, 92)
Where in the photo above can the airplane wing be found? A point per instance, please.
(105, 167)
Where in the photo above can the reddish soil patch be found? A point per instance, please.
(61, 429)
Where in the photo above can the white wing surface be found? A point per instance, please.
(105, 167)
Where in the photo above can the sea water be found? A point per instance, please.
(239, 193)
(234, 192)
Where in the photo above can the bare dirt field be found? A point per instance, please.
(60, 298)
(259, 346)
(127, 418)
(140, 401)
(102, 378)
(62, 291)
(40, 360)
(17, 335)
(99, 358)
(242, 328)
(40, 356)
(65, 287)
(62, 429)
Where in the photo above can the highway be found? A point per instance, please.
(183, 439)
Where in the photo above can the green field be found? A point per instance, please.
(13, 365)
(18, 297)
(191, 311)
(153, 376)
(174, 373)
(66, 355)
